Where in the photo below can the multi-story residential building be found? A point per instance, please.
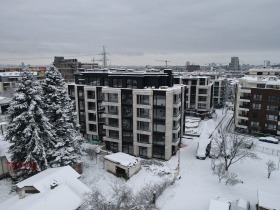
(234, 64)
(198, 95)
(257, 105)
(139, 113)
(67, 67)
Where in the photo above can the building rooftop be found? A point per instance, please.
(122, 159)
(269, 200)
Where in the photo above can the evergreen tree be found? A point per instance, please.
(59, 109)
(28, 128)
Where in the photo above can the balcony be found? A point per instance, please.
(245, 97)
(243, 115)
(175, 140)
(244, 106)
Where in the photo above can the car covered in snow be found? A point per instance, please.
(202, 151)
(269, 139)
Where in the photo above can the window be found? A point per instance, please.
(143, 113)
(159, 126)
(144, 126)
(72, 92)
(106, 82)
(127, 112)
(274, 98)
(159, 100)
(256, 106)
(82, 116)
(94, 81)
(255, 114)
(92, 127)
(176, 124)
(143, 151)
(113, 110)
(82, 105)
(159, 114)
(270, 126)
(201, 106)
(142, 138)
(261, 85)
(176, 99)
(113, 122)
(131, 83)
(113, 97)
(113, 134)
(81, 94)
(127, 136)
(91, 94)
(272, 108)
(143, 99)
(112, 146)
(159, 139)
(202, 91)
(127, 148)
(176, 112)
(257, 97)
(254, 124)
(117, 82)
(202, 81)
(271, 117)
(158, 152)
(202, 98)
(91, 106)
(127, 124)
(126, 99)
(92, 117)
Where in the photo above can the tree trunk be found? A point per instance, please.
(269, 175)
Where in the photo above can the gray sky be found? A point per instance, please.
(140, 31)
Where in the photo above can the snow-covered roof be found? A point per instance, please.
(269, 200)
(5, 101)
(122, 159)
(43, 180)
(15, 74)
(69, 194)
(218, 205)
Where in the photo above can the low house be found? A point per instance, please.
(122, 165)
(268, 200)
(54, 188)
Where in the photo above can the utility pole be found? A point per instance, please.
(104, 58)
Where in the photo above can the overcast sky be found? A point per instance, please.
(138, 32)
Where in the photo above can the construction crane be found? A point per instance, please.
(163, 61)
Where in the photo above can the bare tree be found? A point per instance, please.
(231, 148)
(219, 169)
(232, 179)
(271, 166)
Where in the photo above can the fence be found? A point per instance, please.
(268, 151)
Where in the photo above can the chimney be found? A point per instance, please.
(21, 192)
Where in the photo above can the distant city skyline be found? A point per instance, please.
(140, 32)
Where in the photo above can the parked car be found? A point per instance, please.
(242, 204)
(249, 143)
(201, 152)
(269, 139)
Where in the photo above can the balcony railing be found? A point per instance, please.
(243, 123)
(245, 97)
(243, 115)
(244, 106)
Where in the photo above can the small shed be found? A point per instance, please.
(268, 200)
(122, 165)
(219, 205)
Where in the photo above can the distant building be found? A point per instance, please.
(234, 64)
(266, 63)
(257, 105)
(191, 68)
(264, 71)
(67, 67)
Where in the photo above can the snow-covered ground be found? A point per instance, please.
(198, 185)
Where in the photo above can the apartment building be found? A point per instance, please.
(265, 71)
(139, 113)
(257, 105)
(198, 94)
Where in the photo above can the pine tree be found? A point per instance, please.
(28, 128)
(59, 109)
